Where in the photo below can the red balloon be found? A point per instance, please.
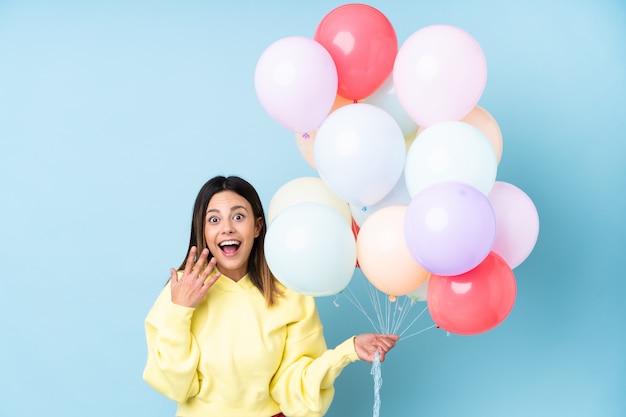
(473, 302)
(363, 44)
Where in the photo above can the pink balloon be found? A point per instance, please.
(449, 228)
(439, 74)
(296, 83)
(517, 223)
(473, 302)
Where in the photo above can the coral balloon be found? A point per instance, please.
(450, 228)
(383, 256)
(473, 302)
(306, 190)
(485, 122)
(363, 45)
(311, 249)
(296, 82)
(517, 223)
(440, 73)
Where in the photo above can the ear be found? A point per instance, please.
(258, 226)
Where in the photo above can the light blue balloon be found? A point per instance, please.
(311, 249)
(450, 151)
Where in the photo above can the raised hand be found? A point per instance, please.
(193, 285)
(366, 345)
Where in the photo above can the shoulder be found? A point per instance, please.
(294, 301)
(293, 295)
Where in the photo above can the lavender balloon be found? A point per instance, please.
(450, 228)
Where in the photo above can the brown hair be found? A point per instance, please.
(258, 270)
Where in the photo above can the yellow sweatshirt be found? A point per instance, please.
(232, 356)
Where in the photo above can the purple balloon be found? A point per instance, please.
(450, 228)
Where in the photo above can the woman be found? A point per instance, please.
(225, 338)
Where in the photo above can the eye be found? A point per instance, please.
(238, 217)
(212, 219)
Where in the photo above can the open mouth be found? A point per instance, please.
(230, 247)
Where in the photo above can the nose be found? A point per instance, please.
(227, 227)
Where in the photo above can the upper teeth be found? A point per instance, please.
(229, 242)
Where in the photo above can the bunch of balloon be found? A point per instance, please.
(466, 229)
(407, 163)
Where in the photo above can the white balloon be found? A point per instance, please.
(360, 152)
(450, 151)
(399, 196)
(385, 98)
(420, 293)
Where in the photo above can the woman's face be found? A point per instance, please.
(230, 228)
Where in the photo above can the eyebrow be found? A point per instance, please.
(233, 208)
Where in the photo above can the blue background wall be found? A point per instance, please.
(112, 114)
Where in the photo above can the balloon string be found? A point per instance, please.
(389, 317)
(421, 331)
(378, 382)
(414, 320)
(355, 301)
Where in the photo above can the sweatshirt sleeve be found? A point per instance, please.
(303, 384)
(173, 353)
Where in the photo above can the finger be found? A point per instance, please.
(212, 263)
(173, 275)
(202, 259)
(208, 269)
(190, 259)
(209, 282)
(386, 343)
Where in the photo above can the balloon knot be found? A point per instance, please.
(305, 136)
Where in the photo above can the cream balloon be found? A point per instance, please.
(383, 255)
(306, 190)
